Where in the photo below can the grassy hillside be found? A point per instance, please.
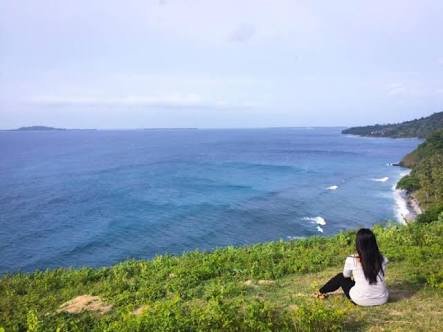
(426, 178)
(256, 288)
(433, 146)
(421, 128)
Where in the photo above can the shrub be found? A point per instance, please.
(430, 215)
(317, 317)
(214, 315)
(32, 321)
(435, 280)
(408, 183)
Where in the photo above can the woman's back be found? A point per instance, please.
(368, 269)
(364, 293)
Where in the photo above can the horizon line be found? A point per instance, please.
(50, 128)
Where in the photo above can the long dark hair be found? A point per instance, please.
(370, 257)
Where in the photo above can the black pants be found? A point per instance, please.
(336, 282)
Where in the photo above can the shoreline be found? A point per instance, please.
(412, 206)
(406, 204)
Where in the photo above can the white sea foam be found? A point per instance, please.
(400, 206)
(383, 179)
(296, 237)
(319, 221)
(332, 187)
(400, 202)
(316, 220)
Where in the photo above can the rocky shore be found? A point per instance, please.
(413, 207)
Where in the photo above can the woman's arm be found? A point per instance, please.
(349, 266)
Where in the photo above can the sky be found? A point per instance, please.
(219, 63)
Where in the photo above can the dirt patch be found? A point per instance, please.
(85, 303)
(140, 310)
(255, 284)
(293, 307)
(249, 283)
(266, 282)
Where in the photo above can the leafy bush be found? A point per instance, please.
(430, 215)
(435, 280)
(408, 183)
(317, 317)
(426, 178)
(214, 315)
(32, 321)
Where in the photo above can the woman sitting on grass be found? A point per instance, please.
(363, 277)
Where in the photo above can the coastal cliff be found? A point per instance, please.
(420, 128)
(424, 183)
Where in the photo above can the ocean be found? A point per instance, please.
(93, 198)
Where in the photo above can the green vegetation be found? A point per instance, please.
(408, 183)
(262, 287)
(38, 128)
(431, 148)
(421, 128)
(426, 179)
(430, 214)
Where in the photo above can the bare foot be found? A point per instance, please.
(320, 296)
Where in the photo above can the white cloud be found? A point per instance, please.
(242, 34)
(414, 89)
(161, 101)
(396, 89)
(175, 100)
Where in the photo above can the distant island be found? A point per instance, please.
(420, 128)
(37, 128)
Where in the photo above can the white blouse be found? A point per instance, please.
(363, 293)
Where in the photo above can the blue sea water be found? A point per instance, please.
(92, 198)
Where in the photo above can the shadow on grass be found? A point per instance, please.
(402, 290)
(398, 291)
(355, 325)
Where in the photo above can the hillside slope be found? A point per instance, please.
(425, 181)
(420, 128)
(265, 287)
